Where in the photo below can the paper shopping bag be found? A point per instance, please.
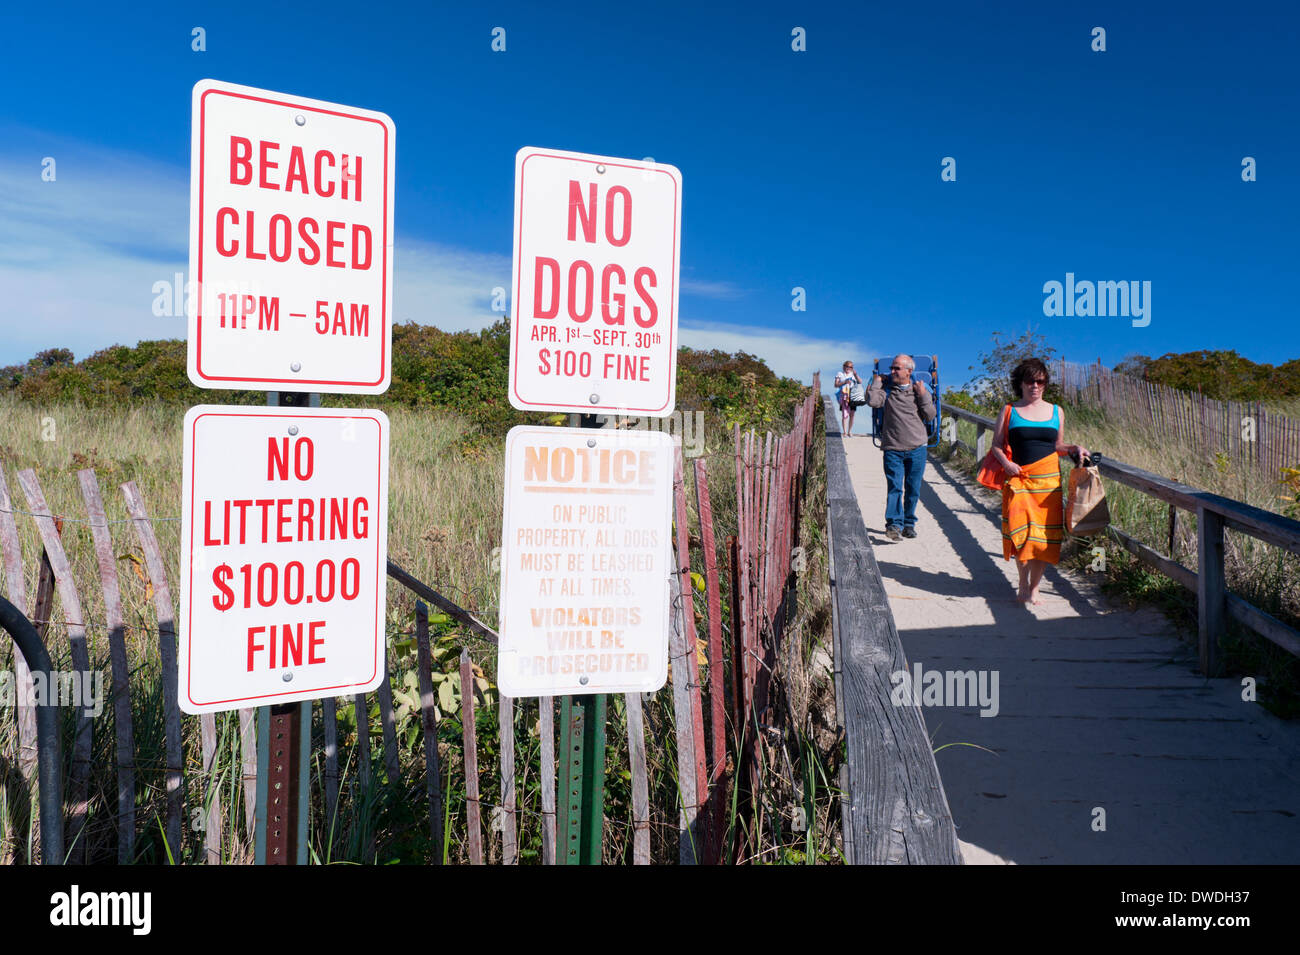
(1087, 512)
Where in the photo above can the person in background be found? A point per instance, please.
(844, 382)
(908, 409)
(1032, 510)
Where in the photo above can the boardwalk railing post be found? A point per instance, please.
(1211, 591)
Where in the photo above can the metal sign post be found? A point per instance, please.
(585, 550)
(582, 809)
(291, 218)
(283, 746)
(581, 818)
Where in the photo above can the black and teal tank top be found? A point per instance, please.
(1032, 440)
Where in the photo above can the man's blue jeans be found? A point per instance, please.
(903, 473)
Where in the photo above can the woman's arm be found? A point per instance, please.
(999, 439)
(1061, 446)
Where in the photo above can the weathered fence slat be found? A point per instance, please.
(389, 724)
(361, 711)
(167, 658)
(429, 724)
(473, 812)
(506, 812)
(420, 589)
(212, 823)
(640, 782)
(717, 693)
(79, 774)
(330, 726)
(699, 759)
(248, 755)
(546, 726)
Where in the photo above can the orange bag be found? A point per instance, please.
(991, 473)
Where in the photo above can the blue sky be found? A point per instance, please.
(818, 169)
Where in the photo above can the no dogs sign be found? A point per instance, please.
(585, 561)
(291, 243)
(597, 244)
(284, 540)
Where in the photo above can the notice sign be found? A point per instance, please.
(585, 561)
(291, 243)
(597, 243)
(284, 539)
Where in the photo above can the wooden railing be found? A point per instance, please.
(1213, 513)
(894, 807)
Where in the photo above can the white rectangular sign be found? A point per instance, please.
(595, 277)
(291, 243)
(284, 542)
(585, 561)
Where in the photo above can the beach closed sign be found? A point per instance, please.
(283, 555)
(595, 280)
(585, 561)
(291, 243)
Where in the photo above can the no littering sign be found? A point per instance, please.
(284, 539)
(585, 561)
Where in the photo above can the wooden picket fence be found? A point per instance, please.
(1246, 431)
(715, 724)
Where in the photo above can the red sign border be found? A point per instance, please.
(189, 608)
(515, 328)
(384, 335)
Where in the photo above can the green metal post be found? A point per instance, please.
(582, 778)
(581, 816)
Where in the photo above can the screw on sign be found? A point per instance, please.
(595, 281)
(291, 203)
(283, 549)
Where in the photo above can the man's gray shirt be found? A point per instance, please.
(906, 415)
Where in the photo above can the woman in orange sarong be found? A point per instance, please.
(1032, 510)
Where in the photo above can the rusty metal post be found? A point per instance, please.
(284, 748)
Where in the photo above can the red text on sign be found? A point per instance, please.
(323, 178)
(285, 643)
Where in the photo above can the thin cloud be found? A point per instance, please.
(724, 291)
(788, 353)
(79, 256)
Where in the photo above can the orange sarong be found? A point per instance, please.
(1032, 513)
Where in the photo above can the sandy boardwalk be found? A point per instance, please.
(1106, 746)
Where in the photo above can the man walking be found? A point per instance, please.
(908, 409)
